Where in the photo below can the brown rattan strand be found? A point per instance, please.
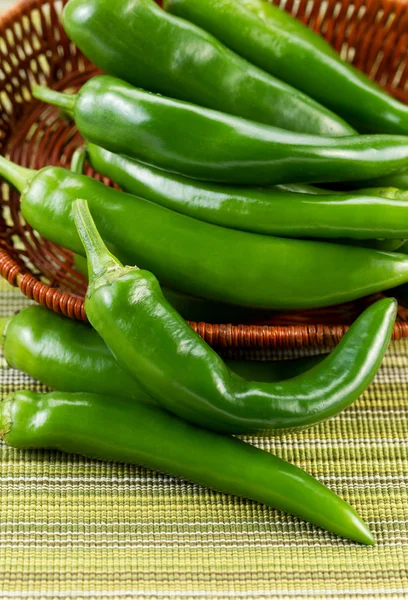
(372, 34)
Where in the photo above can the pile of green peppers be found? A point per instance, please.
(214, 118)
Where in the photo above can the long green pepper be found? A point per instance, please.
(112, 428)
(376, 211)
(268, 211)
(209, 145)
(177, 368)
(138, 42)
(191, 308)
(281, 45)
(201, 259)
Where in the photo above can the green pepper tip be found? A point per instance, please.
(363, 534)
(393, 302)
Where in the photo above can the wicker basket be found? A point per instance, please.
(373, 34)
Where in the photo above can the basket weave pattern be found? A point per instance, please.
(373, 34)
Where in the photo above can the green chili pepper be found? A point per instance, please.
(389, 192)
(201, 259)
(281, 45)
(177, 368)
(392, 194)
(70, 356)
(263, 210)
(112, 428)
(159, 52)
(268, 211)
(210, 145)
(191, 308)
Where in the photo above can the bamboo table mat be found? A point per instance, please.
(76, 528)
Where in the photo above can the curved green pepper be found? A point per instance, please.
(177, 368)
(70, 356)
(201, 259)
(159, 52)
(209, 145)
(268, 211)
(112, 428)
(284, 47)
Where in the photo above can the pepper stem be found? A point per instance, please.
(78, 160)
(64, 101)
(18, 177)
(101, 263)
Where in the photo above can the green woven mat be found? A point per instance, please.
(75, 528)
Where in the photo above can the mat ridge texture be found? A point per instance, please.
(75, 528)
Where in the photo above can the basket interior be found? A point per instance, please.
(34, 49)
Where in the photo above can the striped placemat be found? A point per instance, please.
(75, 528)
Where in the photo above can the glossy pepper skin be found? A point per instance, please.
(70, 356)
(138, 42)
(277, 210)
(177, 368)
(200, 258)
(260, 210)
(191, 308)
(111, 428)
(209, 145)
(281, 45)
